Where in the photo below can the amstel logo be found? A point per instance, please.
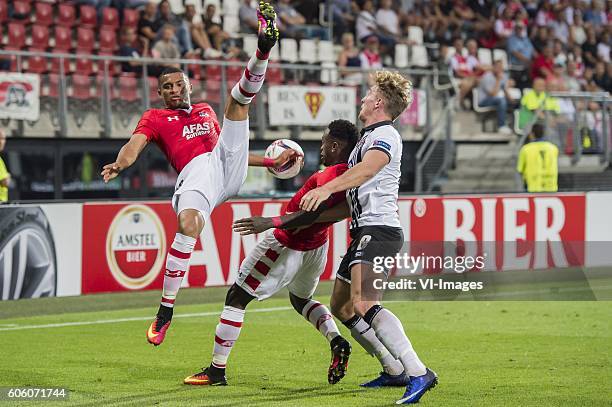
(314, 100)
(135, 246)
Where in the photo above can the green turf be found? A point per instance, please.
(485, 353)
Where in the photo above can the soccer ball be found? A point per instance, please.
(290, 169)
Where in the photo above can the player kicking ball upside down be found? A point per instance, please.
(288, 258)
(211, 161)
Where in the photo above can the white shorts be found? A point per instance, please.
(210, 179)
(272, 266)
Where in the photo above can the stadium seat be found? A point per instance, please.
(110, 18)
(84, 65)
(501, 54)
(43, 14)
(21, 10)
(52, 90)
(128, 88)
(154, 97)
(37, 65)
(85, 40)
(401, 56)
(40, 37)
(308, 51)
(213, 72)
(288, 50)
(484, 56)
(114, 68)
(88, 16)
(213, 91)
(130, 17)
(177, 6)
(233, 74)
(274, 76)
(485, 112)
(515, 94)
(230, 7)
(275, 54)
(326, 51)
(418, 56)
(415, 34)
(81, 87)
(3, 11)
(16, 35)
(107, 40)
(231, 24)
(63, 38)
(66, 15)
(329, 73)
(249, 44)
(56, 64)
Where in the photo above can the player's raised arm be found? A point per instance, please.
(126, 157)
(286, 156)
(373, 162)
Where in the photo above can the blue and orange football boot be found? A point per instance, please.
(203, 378)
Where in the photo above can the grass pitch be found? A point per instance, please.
(485, 353)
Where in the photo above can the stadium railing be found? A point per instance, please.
(581, 131)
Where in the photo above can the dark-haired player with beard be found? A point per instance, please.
(211, 161)
(287, 258)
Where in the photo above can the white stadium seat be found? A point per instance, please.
(288, 50)
(308, 51)
(415, 34)
(326, 51)
(501, 54)
(418, 56)
(329, 73)
(250, 44)
(484, 56)
(401, 56)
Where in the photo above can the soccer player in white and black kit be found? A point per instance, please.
(372, 184)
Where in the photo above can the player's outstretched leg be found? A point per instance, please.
(320, 317)
(226, 335)
(177, 264)
(252, 79)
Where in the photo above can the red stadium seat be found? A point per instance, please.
(114, 69)
(89, 17)
(213, 91)
(81, 87)
(85, 40)
(110, 18)
(3, 11)
(66, 15)
(130, 18)
(52, 90)
(108, 40)
(22, 10)
(63, 38)
(40, 37)
(43, 14)
(129, 88)
(84, 65)
(153, 96)
(55, 63)
(213, 72)
(16, 35)
(37, 65)
(274, 76)
(233, 74)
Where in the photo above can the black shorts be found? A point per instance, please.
(368, 242)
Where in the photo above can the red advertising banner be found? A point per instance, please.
(125, 244)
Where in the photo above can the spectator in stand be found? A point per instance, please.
(559, 53)
(366, 25)
(520, 52)
(589, 48)
(577, 32)
(603, 47)
(309, 9)
(98, 4)
(148, 26)
(181, 28)
(465, 69)
(576, 57)
(5, 64)
(569, 78)
(128, 47)
(483, 17)
(370, 56)
(596, 15)
(472, 53)
(5, 176)
(463, 13)
(166, 47)
(559, 27)
(349, 58)
(198, 35)
(344, 18)
(543, 63)
(493, 91)
(546, 15)
(248, 17)
(388, 20)
(601, 78)
(542, 38)
(538, 162)
(534, 100)
(504, 27)
(295, 24)
(213, 28)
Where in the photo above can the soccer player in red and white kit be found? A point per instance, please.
(211, 161)
(287, 258)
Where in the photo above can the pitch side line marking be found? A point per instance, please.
(113, 321)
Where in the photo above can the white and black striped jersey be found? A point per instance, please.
(375, 202)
